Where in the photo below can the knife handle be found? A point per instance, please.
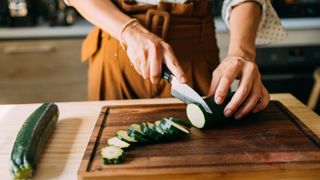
(165, 73)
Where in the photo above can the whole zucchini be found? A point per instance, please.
(31, 140)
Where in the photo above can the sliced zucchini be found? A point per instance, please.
(123, 135)
(163, 131)
(158, 129)
(136, 133)
(112, 155)
(149, 132)
(177, 127)
(150, 125)
(201, 119)
(184, 122)
(174, 129)
(115, 141)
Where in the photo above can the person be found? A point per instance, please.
(133, 39)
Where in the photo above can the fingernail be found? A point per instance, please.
(238, 116)
(183, 79)
(227, 113)
(218, 100)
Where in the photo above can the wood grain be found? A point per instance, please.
(274, 142)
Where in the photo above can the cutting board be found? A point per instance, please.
(273, 143)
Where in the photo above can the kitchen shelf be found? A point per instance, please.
(81, 28)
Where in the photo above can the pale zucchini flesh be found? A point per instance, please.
(137, 128)
(136, 133)
(115, 141)
(196, 115)
(123, 135)
(179, 127)
(112, 155)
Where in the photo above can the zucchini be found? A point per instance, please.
(115, 141)
(123, 135)
(112, 155)
(31, 140)
(201, 119)
(166, 135)
(184, 122)
(135, 132)
(149, 132)
(175, 130)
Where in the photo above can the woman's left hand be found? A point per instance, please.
(251, 96)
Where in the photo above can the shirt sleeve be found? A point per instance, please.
(270, 28)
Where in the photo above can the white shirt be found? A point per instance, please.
(270, 28)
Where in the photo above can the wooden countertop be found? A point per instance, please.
(63, 155)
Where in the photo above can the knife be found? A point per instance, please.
(182, 91)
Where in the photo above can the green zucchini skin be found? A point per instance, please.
(141, 138)
(150, 133)
(217, 117)
(31, 140)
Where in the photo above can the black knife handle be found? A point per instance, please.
(165, 73)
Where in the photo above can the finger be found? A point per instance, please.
(265, 98)
(250, 102)
(145, 69)
(136, 66)
(225, 83)
(216, 75)
(155, 61)
(144, 65)
(134, 59)
(231, 69)
(174, 66)
(241, 93)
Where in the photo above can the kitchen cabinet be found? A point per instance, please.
(42, 70)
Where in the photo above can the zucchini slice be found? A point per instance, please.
(164, 131)
(31, 140)
(197, 115)
(123, 135)
(136, 133)
(184, 122)
(112, 155)
(159, 130)
(201, 119)
(149, 132)
(174, 129)
(115, 141)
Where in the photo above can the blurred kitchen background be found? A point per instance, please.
(40, 45)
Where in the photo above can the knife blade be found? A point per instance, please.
(182, 91)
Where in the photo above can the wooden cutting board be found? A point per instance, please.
(273, 143)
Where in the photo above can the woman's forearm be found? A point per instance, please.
(103, 14)
(243, 24)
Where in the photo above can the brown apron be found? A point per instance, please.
(188, 28)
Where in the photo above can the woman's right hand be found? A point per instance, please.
(147, 52)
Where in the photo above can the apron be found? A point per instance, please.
(188, 28)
